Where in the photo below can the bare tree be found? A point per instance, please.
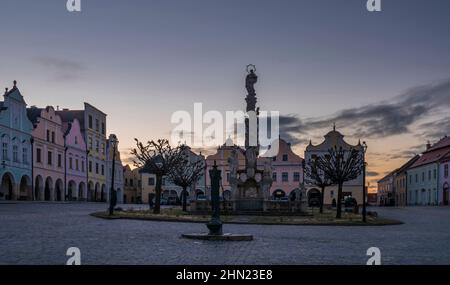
(315, 176)
(187, 173)
(159, 158)
(339, 166)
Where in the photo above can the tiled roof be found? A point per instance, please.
(431, 156)
(69, 115)
(33, 114)
(444, 142)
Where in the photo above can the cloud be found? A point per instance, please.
(373, 174)
(383, 119)
(61, 69)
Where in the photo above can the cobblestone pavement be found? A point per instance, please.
(40, 233)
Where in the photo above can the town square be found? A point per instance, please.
(272, 135)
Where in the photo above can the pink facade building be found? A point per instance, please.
(287, 171)
(48, 154)
(75, 161)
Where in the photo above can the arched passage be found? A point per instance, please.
(103, 197)
(278, 194)
(90, 191)
(25, 190)
(72, 192)
(59, 189)
(48, 189)
(314, 197)
(97, 192)
(199, 193)
(82, 196)
(38, 188)
(445, 193)
(7, 187)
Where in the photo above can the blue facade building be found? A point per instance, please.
(15, 146)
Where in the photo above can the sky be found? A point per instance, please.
(382, 77)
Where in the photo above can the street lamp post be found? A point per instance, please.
(364, 148)
(112, 196)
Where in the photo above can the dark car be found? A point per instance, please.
(314, 202)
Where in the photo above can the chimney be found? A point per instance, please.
(6, 90)
(428, 145)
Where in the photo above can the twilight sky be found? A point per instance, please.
(382, 77)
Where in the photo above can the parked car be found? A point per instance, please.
(171, 201)
(201, 197)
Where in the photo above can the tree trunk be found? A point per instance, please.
(158, 191)
(322, 199)
(184, 199)
(339, 201)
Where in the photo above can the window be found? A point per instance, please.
(103, 148)
(285, 157)
(90, 142)
(103, 169)
(131, 182)
(77, 165)
(96, 168)
(15, 153)
(59, 160)
(49, 158)
(76, 140)
(126, 181)
(25, 155)
(274, 158)
(434, 174)
(417, 177)
(97, 125)
(228, 176)
(296, 176)
(5, 151)
(446, 170)
(97, 145)
(423, 176)
(90, 121)
(70, 163)
(48, 135)
(163, 181)
(429, 174)
(151, 181)
(284, 177)
(274, 176)
(139, 183)
(103, 128)
(53, 137)
(38, 155)
(82, 165)
(90, 166)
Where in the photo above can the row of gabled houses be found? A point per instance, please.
(422, 180)
(287, 174)
(55, 155)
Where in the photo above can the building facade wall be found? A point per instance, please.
(401, 189)
(353, 188)
(422, 185)
(48, 154)
(444, 181)
(75, 160)
(15, 134)
(95, 136)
